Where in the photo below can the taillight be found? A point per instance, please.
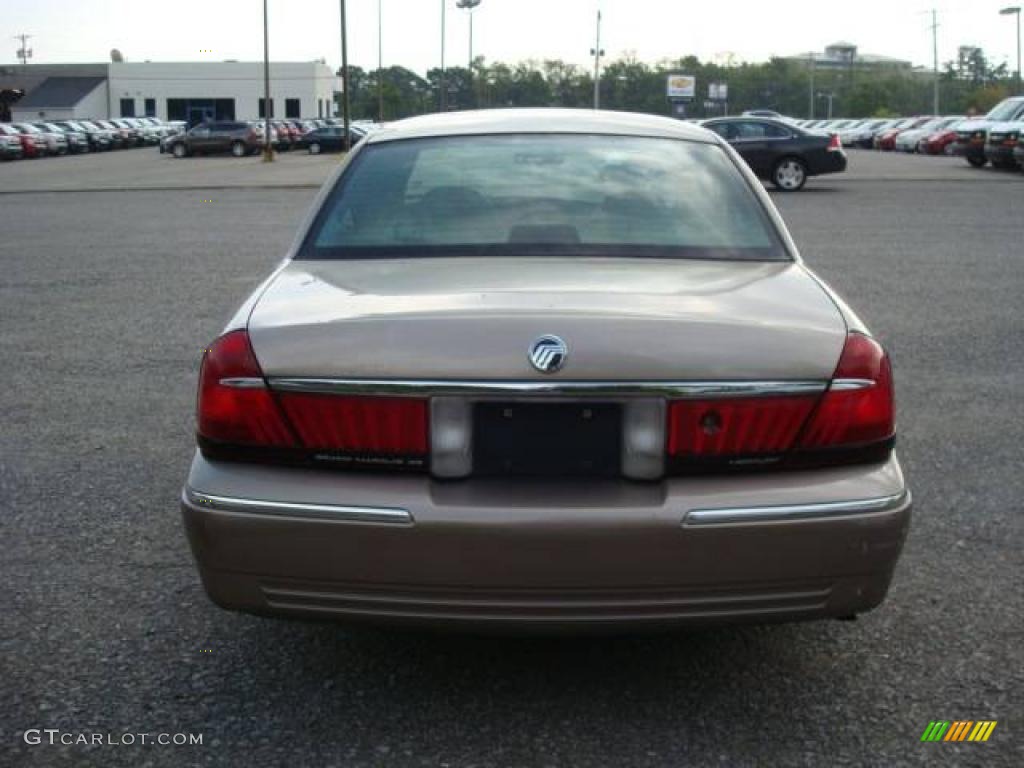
(834, 143)
(240, 417)
(365, 425)
(858, 408)
(235, 405)
(852, 421)
(730, 427)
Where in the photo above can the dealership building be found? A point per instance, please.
(189, 91)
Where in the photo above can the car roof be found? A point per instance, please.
(571, 121)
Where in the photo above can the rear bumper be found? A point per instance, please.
(411, 550)
(831, 162)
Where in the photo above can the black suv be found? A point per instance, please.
(235, 136)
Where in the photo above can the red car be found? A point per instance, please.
(886, 141)
(32, 144)
(938, 142)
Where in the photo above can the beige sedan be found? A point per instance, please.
(545, 369)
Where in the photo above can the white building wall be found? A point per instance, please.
(310, 82)
(33, 114)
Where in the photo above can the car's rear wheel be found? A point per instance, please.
(789, 174)
(976, 161)
(314, 148)
(238, 149)
(179, 150)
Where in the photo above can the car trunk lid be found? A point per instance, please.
(475, 319)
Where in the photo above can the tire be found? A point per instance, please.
(789, 174)
(975, 161)
(314, 148)
(179, 151)
(238, 149)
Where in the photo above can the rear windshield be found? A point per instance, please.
(545, 194)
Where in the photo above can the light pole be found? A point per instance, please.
(469, 5)
(268, 146)
(443, 89)
(597, 53)
(810, 109)
(346, 140)
(1014, 10)
(380, 63)
(829, 96)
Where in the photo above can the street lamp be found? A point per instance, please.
(442, 88)
(346, 140)
(830, 97)
(268, 147)
(469, 5)
(380, 63)
(1014, 10)
(597, 53)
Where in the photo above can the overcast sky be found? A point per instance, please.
(505, 30)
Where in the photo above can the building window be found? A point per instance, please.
(150, 107)
(292, 108)
(263, 107)
(195, 111)
(319, 107)
(127, 107)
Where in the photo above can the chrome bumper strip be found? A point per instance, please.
(821, 511)
(485, 388)
(289, 509)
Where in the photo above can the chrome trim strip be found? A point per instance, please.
(821, 511)
(243, 382)
(844, 385)
(292, 509)
(427, 388)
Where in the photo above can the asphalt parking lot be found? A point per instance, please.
(106, 300)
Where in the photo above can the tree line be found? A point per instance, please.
(971, 83)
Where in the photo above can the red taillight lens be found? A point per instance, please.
(736, 426)
(234, 404)
(858, 407)
(834, 143)
(372, 425)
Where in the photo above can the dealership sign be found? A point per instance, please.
(718, 92)
(681, 87)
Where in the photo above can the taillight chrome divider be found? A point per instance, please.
(846, 385)
(243, 382)
(675, 390)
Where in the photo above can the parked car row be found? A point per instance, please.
(64, 137)
(994, 138)
(247, 137)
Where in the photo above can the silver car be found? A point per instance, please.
(545, 369)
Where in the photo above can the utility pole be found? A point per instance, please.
(345, 104)
(380, 63)
(444, 87)
(268, 147)
(935, 63)
(597, 64)
(24, 53)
